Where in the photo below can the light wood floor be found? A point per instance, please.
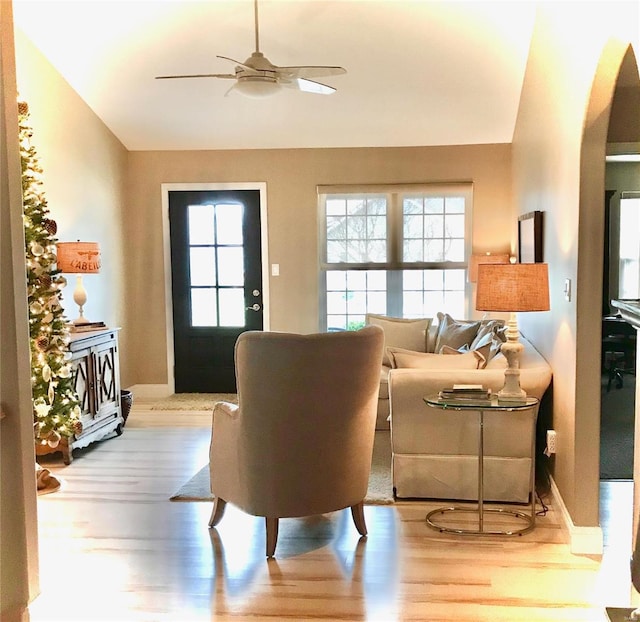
(114, 548)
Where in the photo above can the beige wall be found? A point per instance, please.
(84, 170)
(558, 164)
(291, 177)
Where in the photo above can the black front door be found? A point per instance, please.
(216, 283)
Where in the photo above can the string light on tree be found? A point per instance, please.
(56, 409)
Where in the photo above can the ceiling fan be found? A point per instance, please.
(258, 77)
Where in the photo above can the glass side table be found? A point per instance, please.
(528, 519)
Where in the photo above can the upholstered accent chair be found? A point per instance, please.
(300, 440)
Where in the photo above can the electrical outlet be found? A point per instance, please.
(551, 441)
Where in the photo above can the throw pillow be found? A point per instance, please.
(428, 360)
(495, 328)
(480, 353)
(454, 333)
(409, 334)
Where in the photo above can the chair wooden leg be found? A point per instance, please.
(217, 512)
(272, 535)
(357, 512)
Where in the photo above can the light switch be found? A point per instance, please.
(275, 269)
(567, 290)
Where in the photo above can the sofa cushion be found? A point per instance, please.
(428, 360)
(384, 383)
(409, 334)
(454, 333)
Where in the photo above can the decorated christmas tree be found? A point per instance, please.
(55, 403)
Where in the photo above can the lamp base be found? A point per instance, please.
(512, 392)
(79, 321)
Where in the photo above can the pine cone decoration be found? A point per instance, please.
(50, 225)
(45, 281)
(23, 108)
(42, 342)
(77, 428)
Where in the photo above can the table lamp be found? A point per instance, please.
(511, 288)
(79, 258)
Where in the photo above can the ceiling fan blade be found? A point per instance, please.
(311, 71)
(200, 75)
(237, 62)
(308, 86)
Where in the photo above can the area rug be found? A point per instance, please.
(380, 491)
(616, 430)
(192, 401)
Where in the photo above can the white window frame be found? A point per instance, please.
(394, 263)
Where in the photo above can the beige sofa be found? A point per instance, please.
(434, 452)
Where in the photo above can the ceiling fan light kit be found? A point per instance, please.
(257, 77)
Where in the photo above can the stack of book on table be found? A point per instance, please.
(472, 394)
(86, 327)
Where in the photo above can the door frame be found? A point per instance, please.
(166, 242)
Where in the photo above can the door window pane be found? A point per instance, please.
(203, 307)
(230, 266)
(229, 223)
(232, 307)
(200, 219)
(202, 265)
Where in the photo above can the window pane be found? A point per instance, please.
(357, 228)
(336, 251)
(413, 226)
(377, 251)
(336, 279)
(377, 227)
(433, 250)
(336, 322)
(203, 307)
(336, 302)
(202, 266)
(356, 279)
(377, 302)
(377, 280)
(454, 250)
(455, 205)
(232, 307)
(412, 279)
(336, 207)
(454, 226)
(433, 226)
(229, 224)
(360, 235)
(231, 267)
(412, 206)
(413, 250)
(629, 263)
(200, 219)
(434, 205)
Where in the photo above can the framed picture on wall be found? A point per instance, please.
(530, 237)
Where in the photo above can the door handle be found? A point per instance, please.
(254, 307)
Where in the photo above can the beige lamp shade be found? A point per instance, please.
(78, 257)
(478, 258)
(513, 287)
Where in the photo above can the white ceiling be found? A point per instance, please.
(419, 72)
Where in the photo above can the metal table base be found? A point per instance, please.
(529, 519)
